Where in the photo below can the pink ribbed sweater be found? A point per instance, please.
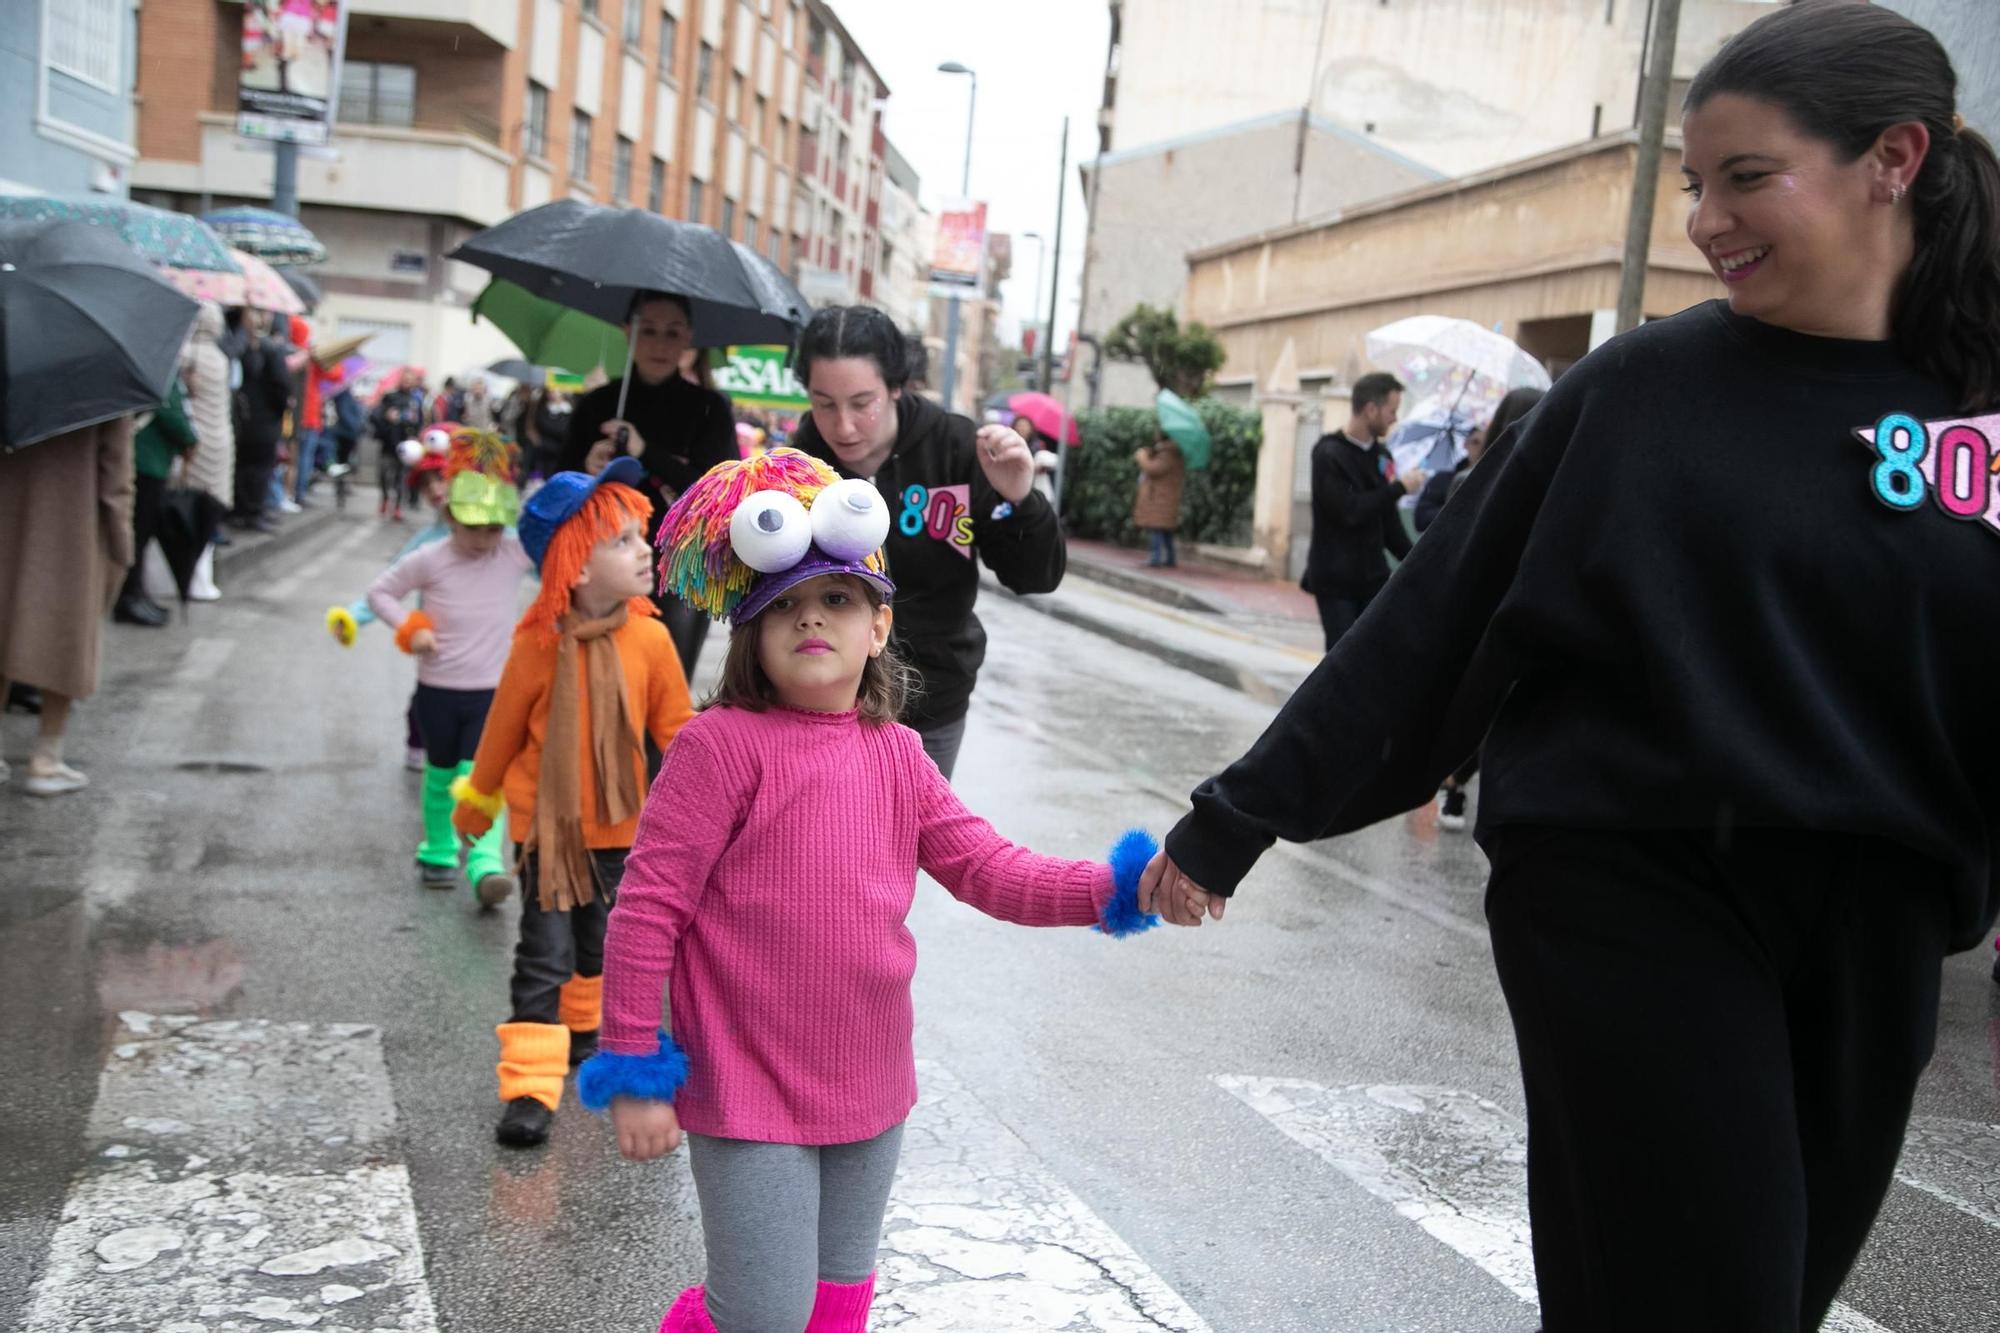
(767, 891)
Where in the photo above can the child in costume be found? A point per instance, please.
(470, 583)
(768, 891)
(563, 753)
(345, 622)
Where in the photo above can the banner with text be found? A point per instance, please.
(291, 69)
(758, 377)
(958, 266)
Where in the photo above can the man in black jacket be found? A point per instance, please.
(1355, 494)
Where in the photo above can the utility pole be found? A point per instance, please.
(1657, 82)
(1055, 264)
(950, 385)
(285, 178)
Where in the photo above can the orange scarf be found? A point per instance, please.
(566, 877)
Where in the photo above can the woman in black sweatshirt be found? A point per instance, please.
(1725, 601)
(957, 493)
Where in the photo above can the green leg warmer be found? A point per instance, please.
(489, 852)
(440, 845)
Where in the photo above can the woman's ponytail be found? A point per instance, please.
(1948, 313)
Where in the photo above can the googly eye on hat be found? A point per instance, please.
(746, 531)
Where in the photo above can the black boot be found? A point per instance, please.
(135, 608)
(24, 699)
(524, 1124)
(582, 1045)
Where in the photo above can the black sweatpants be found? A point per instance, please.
(149, 499)
(1338, 614)
(553, 945)
(1719, 1049)
(451, 722)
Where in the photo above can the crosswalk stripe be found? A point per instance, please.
(1956, 1162)
(1453, 1163)
(982, 1238)
(238, 1180)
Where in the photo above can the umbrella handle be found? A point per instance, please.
(623, 438)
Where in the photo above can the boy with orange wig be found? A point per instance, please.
(563, 754)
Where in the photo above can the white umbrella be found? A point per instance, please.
(1452, 368)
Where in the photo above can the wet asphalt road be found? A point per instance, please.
(244, 849)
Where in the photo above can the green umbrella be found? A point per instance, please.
(1182, 425)
(549, 334)
(172, 239)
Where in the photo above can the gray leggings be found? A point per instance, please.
(780, 1217)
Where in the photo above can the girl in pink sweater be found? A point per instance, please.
(767, 894)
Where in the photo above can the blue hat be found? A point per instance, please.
(562, 496)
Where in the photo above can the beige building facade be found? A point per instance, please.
(1532, 249)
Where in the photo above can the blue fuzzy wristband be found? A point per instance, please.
(656, 1077)
(1129, 856)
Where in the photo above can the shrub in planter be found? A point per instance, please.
(1102, 479)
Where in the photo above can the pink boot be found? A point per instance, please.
(689, 1314)
(842, 1307)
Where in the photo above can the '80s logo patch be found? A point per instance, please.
(943, 513)
(1953, 463)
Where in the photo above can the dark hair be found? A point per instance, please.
(1517, 404)
(647, 298)
(886, 682)
(839, 331)
(1373, 388)
(1845, 72)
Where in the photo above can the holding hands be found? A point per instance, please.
(1164, 889)
(646, 1128)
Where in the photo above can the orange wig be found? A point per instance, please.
(607, 511)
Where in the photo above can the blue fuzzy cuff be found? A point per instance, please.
(1129, 856)
(655, 1078)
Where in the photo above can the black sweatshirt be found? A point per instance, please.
(1355, 495)
(1676, 598)
(687, 430)
(933, 480)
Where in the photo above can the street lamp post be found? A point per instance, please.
(950, 385)
(1035, 323)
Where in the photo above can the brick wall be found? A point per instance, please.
(181, 45)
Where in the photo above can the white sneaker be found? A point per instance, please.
(288, 505)
(413, 759)
(60, 781)
(339, 470)
(201, 587)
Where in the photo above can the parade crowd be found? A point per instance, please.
(1694, 618)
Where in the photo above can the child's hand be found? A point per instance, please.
(646, 1129)
(1164, 889)
(423, 643)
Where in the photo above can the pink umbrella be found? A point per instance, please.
(264, 289)
(225, 289)
(1051, 418)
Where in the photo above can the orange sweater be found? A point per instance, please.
(510, 747)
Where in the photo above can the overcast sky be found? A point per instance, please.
(1037, 60)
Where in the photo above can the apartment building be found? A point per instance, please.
(66, 95)
(454, 114)
(837, 210)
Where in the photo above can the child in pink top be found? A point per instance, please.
(787, 958)
(471, 589)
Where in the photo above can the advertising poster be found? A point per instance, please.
(291, 69)
(758, 377)
(960, 260)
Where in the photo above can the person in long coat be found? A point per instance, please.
(1156, 510)
(65, 544)
(212, 465)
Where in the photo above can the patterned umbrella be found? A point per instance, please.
(225, 289)
(275, 237)
(263, 288)
(173, 240)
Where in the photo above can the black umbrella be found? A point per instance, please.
(188, 519)
(597, 259)
(514, 368)
(88, 330)
(303, 287)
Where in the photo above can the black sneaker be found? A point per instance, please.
(524, 1124)
(139, 609)
(582, 1045)
(437, 877)
(1451, 809)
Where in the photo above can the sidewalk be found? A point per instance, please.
(1252, 634)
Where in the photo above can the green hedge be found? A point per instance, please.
(1102, 478)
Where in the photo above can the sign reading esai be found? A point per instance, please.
(758, 377)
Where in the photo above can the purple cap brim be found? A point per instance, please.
(769, 587)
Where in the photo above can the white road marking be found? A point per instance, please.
(1453, 1163)
(982, 1238)
(281, 590)
(1956, 1161)
(239, 1182)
